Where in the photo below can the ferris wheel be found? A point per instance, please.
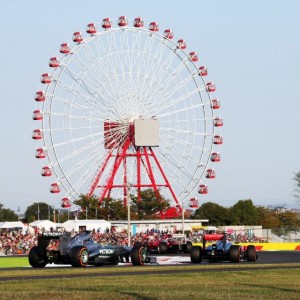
(127, 106)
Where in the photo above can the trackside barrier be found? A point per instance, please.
(274, 246)
(269, 246)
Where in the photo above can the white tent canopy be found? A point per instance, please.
(5, 225)
(13, 225)
(40, 224)
(77, 225)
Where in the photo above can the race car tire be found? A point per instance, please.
(235, 253)
(189, 246)
(35, 259)
(79, 256)
(138, 255)
(162, 248)
(196, 254)
(251, 253)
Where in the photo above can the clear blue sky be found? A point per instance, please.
(252, 50)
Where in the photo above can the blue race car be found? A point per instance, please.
(221, 249)
(81, 250)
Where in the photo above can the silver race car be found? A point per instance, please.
(81, 250)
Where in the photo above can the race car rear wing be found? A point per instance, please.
(214, 237)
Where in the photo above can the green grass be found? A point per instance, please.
(14, 262)
(196, 282)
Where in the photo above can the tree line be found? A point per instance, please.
(243, 212)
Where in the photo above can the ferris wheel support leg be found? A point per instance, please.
(150, 173)
(166, 180)
(119, 158)
(138, 153)
(125, 188)
(98, 176)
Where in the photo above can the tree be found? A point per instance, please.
(267, 217)
(109, 208)
(7, 214)
(150, 206)
(38, 211)
(244, 213)
(215, 213)
(289, 220)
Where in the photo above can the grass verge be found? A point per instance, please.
(246, 281)
(14, 262)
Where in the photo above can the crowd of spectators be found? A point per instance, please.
(13, 242)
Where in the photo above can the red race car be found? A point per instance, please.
(163, 245)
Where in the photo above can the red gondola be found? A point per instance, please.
(218, 140)
(138, 22)
(37, 115)
(65, 48)
(122, 21)
(55, 188)
(193, 203)
(77, 37)
(203, 71)
(215, 157)
(54, 62)
(215, 104)
(210, 87)
(168, 34)
(210, 173)
(218, 122)
(193, 56)
(46, 171)
(153, 26)
(66, 203)
(203, 189)
(181, 44)
(106, 23)
(40, 96)
(46, 78)
(91, 28)
(37, 134)
(40, 153)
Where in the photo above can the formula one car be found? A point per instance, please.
(221, 249)
(163, 246)
(81, 250)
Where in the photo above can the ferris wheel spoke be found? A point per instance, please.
(80, 107)
(87, 86)
(186, 132)
(172, 165)
(78, 79)
(187, 108)
(76, 117)
(183, 143)
(83, 164)
(75, 140)
(73, 91)
(79, 151)
(186, 176)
